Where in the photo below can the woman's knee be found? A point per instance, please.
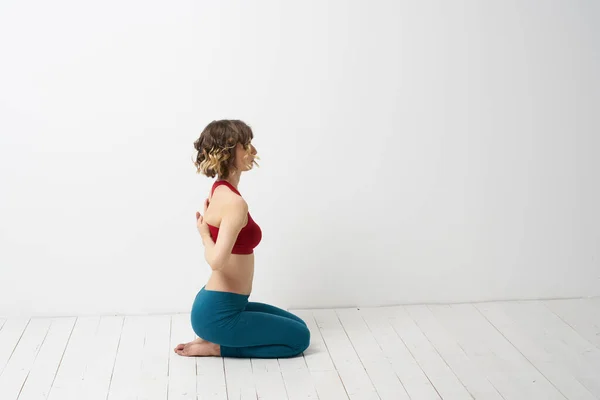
(306, 342)
(302, 342)
(302, 322)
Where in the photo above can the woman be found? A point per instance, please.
(227, 324)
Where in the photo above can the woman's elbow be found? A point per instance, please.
(217, 263)
(216, 267)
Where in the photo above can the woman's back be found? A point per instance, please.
(228, 220)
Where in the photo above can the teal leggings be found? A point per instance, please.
(245, 329)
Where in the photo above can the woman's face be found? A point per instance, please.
(244, 157)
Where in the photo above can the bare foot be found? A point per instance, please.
(182, 345)
(198, 348)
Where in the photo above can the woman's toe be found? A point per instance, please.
(185, 351)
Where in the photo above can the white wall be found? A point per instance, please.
(412, 151)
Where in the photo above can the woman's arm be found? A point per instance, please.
(233, 220)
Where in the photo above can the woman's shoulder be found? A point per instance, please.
(225, 197)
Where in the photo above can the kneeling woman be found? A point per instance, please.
(226, 322)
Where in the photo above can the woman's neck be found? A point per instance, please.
(233, 179)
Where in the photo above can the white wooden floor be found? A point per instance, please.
(508, 350)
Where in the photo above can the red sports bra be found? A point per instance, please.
(249, 236)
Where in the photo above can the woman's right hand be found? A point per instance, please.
(201, 223)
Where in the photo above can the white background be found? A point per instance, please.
(412, 151)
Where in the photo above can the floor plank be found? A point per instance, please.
(511, 373)
(297, 379)
(573, 352)
(325, 377)
(380, 370)
(464, 367)
(240, 379)
(268, 379)
(352, 372)
(10, 334)
(17, 368)
(135, 373)
(182, 370)
(43, 372)
(87, 367)
(545, 361)
(580, 314)
(155, 358)
(437, 370)
(416, 383)
(210, 378)
(127, 371)
(101, 358)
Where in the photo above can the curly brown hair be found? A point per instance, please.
(216, 147)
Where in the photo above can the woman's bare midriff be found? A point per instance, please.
(235, 277)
